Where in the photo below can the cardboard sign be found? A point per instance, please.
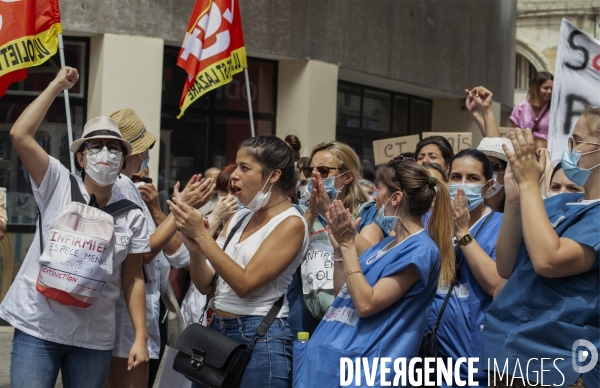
(386, 149)
(576, 84)
(504, 131)
(458, 140)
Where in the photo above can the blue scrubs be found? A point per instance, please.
(460, 332)
(394, 332)
(299, 318)
(535, 317)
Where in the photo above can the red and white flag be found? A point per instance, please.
(28, 37)
(213, 48)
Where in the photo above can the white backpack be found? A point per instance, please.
(77, 261)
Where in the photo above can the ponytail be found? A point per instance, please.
(440, 227)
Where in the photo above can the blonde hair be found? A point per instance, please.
(347, 161)
(420, 189)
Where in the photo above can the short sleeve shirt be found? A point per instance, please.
(29, 311)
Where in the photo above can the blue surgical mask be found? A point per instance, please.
(472, 192)
(387, 223)
(145, 162)
(570, 165)
(329, 184)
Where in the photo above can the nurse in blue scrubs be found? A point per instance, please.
(476, 229)
(548, 251)
(383, 294)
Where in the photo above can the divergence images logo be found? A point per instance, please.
(584, 350)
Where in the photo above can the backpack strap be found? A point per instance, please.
(120, 207)
(76, 195)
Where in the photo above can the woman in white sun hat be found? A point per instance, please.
(492, 147)
(51, 336)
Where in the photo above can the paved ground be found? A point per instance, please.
(6, 334)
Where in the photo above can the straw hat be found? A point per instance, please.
(492, 146)
(101, 127)
(134, 130)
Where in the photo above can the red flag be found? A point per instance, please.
(28, 37)
(212, 50)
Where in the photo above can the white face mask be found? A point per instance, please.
(100, 173)
(260, 199)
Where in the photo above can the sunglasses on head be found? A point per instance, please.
(323, 171)
(136, 179)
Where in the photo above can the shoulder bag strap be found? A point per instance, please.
(232, 232)
(439, 318)
(119, 207)
(538, 119)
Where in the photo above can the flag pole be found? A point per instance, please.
(249, 102)
(61, 49)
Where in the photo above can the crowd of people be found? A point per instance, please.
(491, 248)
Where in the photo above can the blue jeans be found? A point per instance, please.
(35, 363)
(271, 361)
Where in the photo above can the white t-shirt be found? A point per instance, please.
(125, 334)
(260, 302)
(31, 312)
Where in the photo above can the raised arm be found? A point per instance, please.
(483, 99)
(33, 156)
(551, 255)
(510, 236)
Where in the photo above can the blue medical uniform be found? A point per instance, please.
(460, 332)
(535, 317)
(394, 332)
(299, 318)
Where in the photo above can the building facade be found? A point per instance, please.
(351, 70)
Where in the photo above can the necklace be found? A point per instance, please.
(262, 210)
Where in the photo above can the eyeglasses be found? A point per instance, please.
(394, 163)
(323, 170)
(573, 143)
(497, 167)
(136, 179)
(113, 146)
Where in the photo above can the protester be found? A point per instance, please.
(534, 111)
(492, 148)
(155, 264)
(478, 102)
(559, 183)
(251, 277)
(476, 229)
(551, 299)
(385, 292)
(3, 217)
(210, 173)
(50, 335)
(333, 171)
(435, 149)
(368, 188)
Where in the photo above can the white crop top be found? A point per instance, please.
(261, 301)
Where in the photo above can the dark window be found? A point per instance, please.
(52, 133)
(365, 114)
(211, 129)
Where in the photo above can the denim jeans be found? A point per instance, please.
(271, 361)
(35, 363)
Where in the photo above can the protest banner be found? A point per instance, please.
(576, 84)
(458, 140)
(504, 131)
(212, 50)
(386, 149)
(29, 32)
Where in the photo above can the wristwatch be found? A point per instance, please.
(466, 239)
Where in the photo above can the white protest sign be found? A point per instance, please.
(458, 140)
(386, 149)
(576, 84)
(317, 268)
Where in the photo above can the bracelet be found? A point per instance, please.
(352, 272)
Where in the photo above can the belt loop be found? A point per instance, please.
(240, 322)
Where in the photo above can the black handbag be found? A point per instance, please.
(212, 359)
(429, 343)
